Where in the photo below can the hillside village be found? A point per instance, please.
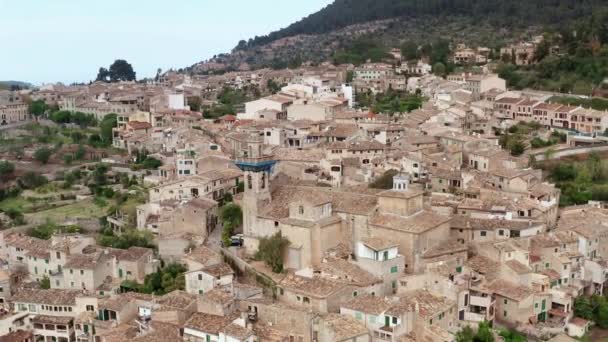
(300, 213)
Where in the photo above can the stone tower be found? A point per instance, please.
(257, 168)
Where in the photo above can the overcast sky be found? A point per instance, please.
(44, 41)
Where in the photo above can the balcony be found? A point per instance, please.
(474, 317)
(485, 302)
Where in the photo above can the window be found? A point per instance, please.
(504, 313)
(506, 302)
(200, 277)
(358, 316)
(306, 300)
(501, 232)
(81, 272)
(355, 294)
(483, 233)
(301, 210)
(90, 308)
(394, 269)
(71, 271)
(394, 320)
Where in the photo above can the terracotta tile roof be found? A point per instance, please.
(482, 264)
(218, 270)
(345, 327)
(218, 296)
(49, 297)
(373, 305)
(379, 244)
(238, 332)
(447, 247)
(518, 267)
(417, 223)
(510, 290)
(160, 332)
(315, 287)
(346, 272)
(211, 324)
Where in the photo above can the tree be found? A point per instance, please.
(601, 316)
(232, 217)
(466, 334)
(271, 251)
(103, 75)
(107, 124)
(77, 137)
(385, 181)
(43, 155)
(151, 163)
(45, 282)
(595, 166)
(484, 333)
(439, 69)
(31, 180)
(121, 70)
(6, 169)
(517, 148)
(512, 336)
(350, 75)
(37, 108)
(409, 50)
(583, 307)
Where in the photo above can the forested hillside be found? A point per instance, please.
(505, 13)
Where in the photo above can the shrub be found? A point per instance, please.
(271, 251)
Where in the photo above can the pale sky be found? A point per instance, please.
(43, 41)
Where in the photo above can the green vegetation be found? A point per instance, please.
(163, 281)
(37, 108)
(45, 282)
(43, 155)
(508, 14)
(594, 308)
(556, 138)
(484, 334)
(512, 336)
(106, 125)
(390, 102)
(228, 100)
(144, 161)
(31, 180)
(385, 181)
(361, 50)
(46, 231)
(127, 239)
(232, 217)
(271, 251)
(594, 103)
(120, 70)
(80, 209)
(579, 182)
(6, 170)
(77, 118)
(581, 65)
(514, 140)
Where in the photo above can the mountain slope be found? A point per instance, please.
(343, 13)
(335, 31)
